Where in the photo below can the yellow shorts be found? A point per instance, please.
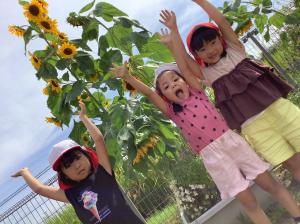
(275, 134)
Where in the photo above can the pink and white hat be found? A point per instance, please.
(162, 68)
(59, 149)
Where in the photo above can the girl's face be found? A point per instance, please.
(211, 51)
(173, 87)
(79, 169)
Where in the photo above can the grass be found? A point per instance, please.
(67, 215)
(169, 215)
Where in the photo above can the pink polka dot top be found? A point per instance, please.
(199, 121)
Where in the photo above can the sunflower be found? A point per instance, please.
(154, 139)
(130, 88)
(83, 97)
(85, 139)
(53, 120)
(67, 50)
(46, 91)
(48, 25)
(62, 36)
(244, 28)
(94, 77)
(34, 11)
(16, 30)
(136, 160)
(35, 61)
(55, 87)
(106, 104)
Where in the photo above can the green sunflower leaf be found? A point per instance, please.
(90, 31)
(47, 71)
(155, 50)
(260, 22)
(277, 20)
(21, 2)
(63, 63)
(119, 36)
(86, 64)
(77, 89)
(107, 11)
(87, 7)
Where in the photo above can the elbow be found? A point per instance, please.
(37, 189)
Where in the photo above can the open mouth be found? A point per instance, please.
(179, 93)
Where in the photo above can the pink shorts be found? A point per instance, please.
(232, 163)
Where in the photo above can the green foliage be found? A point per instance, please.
(262, 13)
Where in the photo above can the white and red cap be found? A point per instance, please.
(59, 150)
(162, 68)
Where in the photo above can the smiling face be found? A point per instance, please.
(211, 51)
(173, 87)
(76, 167)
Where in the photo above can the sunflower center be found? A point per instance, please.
(129, 87)
(35, 60)
(46, 25)
(61, 36)
(68, 51)
(54, 84)
(34, 10)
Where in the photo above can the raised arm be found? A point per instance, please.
(168, 18)
(155, 98)
(175, 44)
(226, 30)
(97, 137)
(40, 188)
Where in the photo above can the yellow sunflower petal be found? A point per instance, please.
(46, 91)
(67, 50)
(48, 25)
(34, 11)
(35, 61)
(62, 36)
(55, 87)
(44, 4)
(16, 30)
(53, 121)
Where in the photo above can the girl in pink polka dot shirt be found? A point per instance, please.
(226, 155)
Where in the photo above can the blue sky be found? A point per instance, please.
(25, 137)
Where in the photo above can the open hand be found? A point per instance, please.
(20, 172)
(165, 37)
(119, 71)
(168, 18)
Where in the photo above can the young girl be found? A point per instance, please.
(228, 158)
(86, 180)
(250, 96)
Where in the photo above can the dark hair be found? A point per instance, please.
(176, 107)
(66, 160)
(201, 35)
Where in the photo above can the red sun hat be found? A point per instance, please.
(191, 33)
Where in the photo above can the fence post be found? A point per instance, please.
(269, 57)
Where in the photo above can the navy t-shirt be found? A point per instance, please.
(98, 199)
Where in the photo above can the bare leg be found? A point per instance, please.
(252, 208)
(269, 184)
(293, 165)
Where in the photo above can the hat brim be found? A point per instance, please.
(57, 162)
